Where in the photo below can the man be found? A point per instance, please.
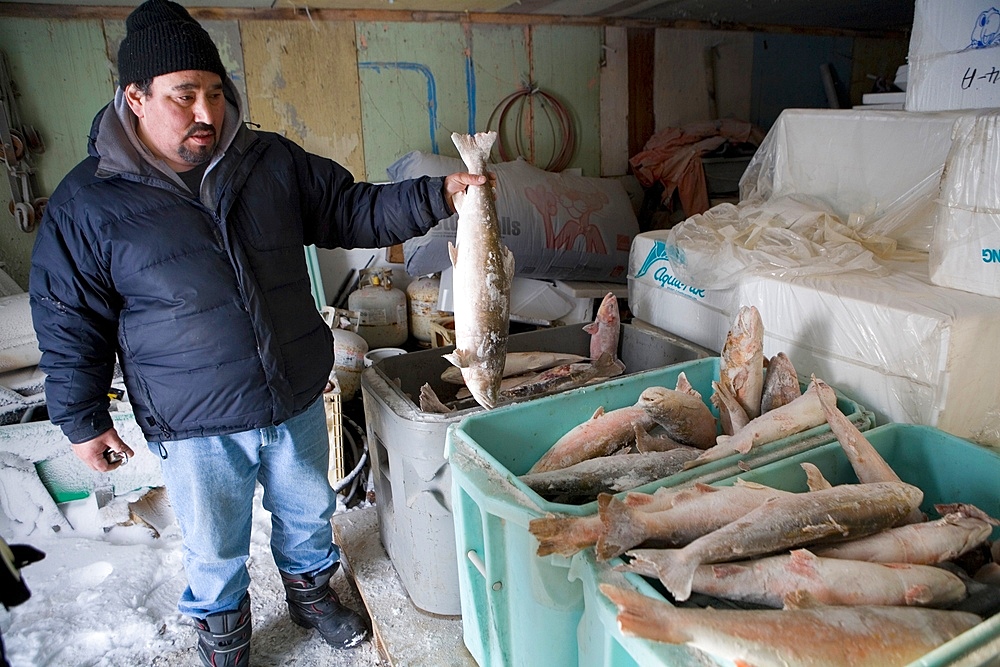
(177, 246)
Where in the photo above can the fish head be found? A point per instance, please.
(654, 397)
(608, 311)
(749, 322)
(483, 385)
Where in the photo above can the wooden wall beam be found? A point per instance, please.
(641, 65)
(50, 11)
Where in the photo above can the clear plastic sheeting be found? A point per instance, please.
(965, 252)
(828, 191)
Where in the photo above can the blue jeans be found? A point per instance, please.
(211, 482)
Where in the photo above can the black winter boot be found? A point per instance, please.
(313, 604)
(224, 638)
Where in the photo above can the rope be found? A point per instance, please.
(560, 123)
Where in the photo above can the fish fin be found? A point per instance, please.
(474, 148)
(750, 485)
(814, 478)
(722, 439)
(608, 366)
(592, 328)
(677, 572)
(966, 510)
(641, 436)
(621, 529)
(646, 443)
(599, 412)
(452, 253)
(918, 595)
(457, 358)
(643, 616)
(564, 535)
(800, 599)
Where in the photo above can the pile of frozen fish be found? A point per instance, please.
(669, 430)
(857, 569)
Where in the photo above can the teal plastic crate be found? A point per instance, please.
(947, 468)
(514, 603)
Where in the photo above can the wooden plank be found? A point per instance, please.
(310, 14)
(614, 103)
(641, 69)
(302, 82)
(404, 634)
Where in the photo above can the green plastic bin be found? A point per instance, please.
(947, 468)
(520, 609)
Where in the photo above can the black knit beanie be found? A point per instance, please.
(161, 37)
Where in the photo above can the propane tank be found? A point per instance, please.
(422, 295)
(349, 350)
(381, 307)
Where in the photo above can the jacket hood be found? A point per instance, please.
(114, 142)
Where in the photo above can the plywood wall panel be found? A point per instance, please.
(614, 103)
(302, 82)
(566, 63)
(501, 67)
(64, 79)
(413, 91)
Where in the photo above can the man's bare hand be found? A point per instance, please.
(456, 184)
(92, 451)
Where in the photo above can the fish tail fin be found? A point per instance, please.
(474, 148)
(677, 572)
(623, 528)
(564, 535)
(642, 616)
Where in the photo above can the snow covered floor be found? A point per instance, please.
(110, 600)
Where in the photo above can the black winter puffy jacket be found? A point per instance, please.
(208, 308)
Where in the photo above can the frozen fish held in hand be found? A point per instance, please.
(483, 270)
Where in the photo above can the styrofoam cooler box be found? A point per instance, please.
(909, 350)
(965, 251)
(947, 468)
(519, 609)
(952, 56)
(657, 296)
(413, 477)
